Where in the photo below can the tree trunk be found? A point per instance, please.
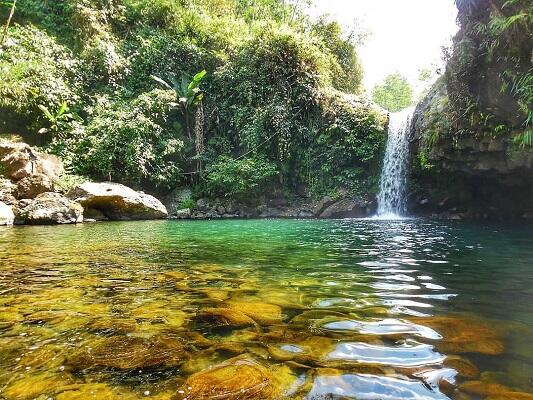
(6, 27)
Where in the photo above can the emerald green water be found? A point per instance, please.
(358, 309)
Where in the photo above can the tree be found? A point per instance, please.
(394, 94)
(6, 26)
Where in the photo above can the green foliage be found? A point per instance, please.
(35, 71)
(349, 72)
(493, 50)
(394, 94)
(188, 203)
(238, 178)
(266, 96)
(524, 139)
(66, 182)
(59, 121)
(133, 142)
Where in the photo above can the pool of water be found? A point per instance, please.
(269, 309)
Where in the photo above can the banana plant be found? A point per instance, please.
(59, 120)
(188, 93)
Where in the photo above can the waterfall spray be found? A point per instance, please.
(391, 197)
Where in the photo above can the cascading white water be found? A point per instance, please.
(391, 201)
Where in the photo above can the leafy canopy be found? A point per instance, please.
(394, 94)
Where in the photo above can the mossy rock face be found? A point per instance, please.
(125, 353)
(239, 378)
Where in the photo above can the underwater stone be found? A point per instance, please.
(236, 379)
(263, 313)
(125, 352)
(226, 316)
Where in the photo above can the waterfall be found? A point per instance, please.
(391, 197)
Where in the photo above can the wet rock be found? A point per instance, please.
(236, 379)
(126, 352)
(7, 217)
(33, 185)
(262, 313)
(346, 208)
(226, 316)
(462, 336)
(118, 202)
(20, 161)
(51, 208)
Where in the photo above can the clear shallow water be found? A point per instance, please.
(362, 309)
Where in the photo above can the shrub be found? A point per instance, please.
(234, 178)
(35, 70)
(133, 142)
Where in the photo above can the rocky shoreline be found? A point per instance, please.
(30, 194)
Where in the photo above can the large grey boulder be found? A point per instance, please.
(19, 160)
(118, 202)
(6, 214)
(49, 208)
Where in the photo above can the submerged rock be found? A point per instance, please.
(7, 217)
(51, 208)
(494, 391)
(236, 379)
(262, 313)
(118, 202)
(31, 387)
(462, 336)
(226, 316)
(126, 352)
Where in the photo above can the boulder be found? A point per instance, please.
(7, 217)
(19, 160)
(7, 190)
(185, 213)
(118, 202)
(346, 208)
(33, 185)
(321, 206)
(49, 208)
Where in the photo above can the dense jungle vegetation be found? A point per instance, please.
(232, 96)
(487, 88)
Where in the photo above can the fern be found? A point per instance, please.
(524, 139)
